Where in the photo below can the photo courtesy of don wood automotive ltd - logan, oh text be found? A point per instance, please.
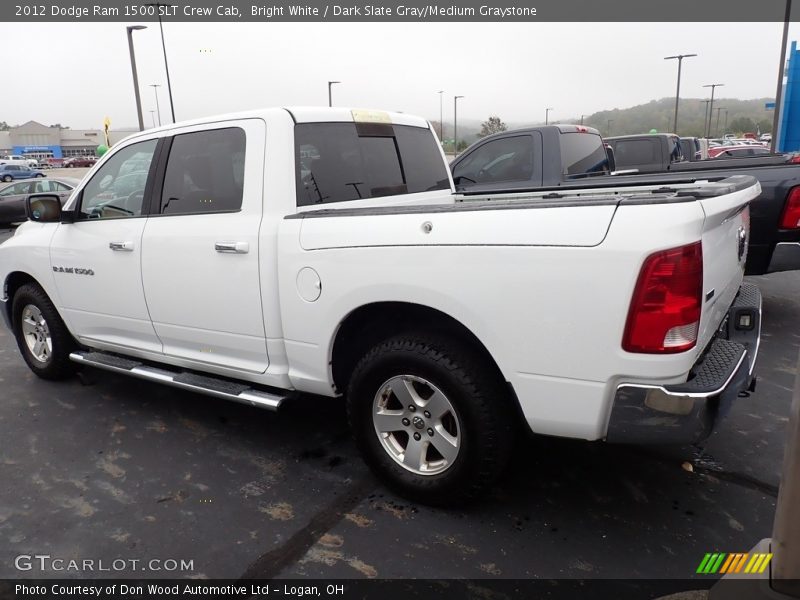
(400, 300)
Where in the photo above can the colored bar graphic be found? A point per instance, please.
(720, 562)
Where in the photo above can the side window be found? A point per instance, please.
(17, 188)
(205, 172)
(59, 187)
(506, 159)
(117, 189)
(337, 162)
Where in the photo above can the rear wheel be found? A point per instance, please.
(42, 337)
(431, 419)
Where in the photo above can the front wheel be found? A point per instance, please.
(7, 178)
(432, 420)
(42, 337)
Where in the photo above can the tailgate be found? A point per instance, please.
(726, 231)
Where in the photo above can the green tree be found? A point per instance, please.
(765, 125)
(4, 126)
(742, 125)
(492, 125)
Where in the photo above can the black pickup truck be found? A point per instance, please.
(563, 156)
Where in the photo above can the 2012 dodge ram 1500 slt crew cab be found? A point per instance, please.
(323, 251)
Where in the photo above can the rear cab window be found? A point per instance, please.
(337, 162)
(583, 154)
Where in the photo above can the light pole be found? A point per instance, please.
(713, 86)
(153, 116)
(155, 87)
(719, 108)
(705, 115)
(455, 124)
(441, 116)
(131, 29)
(547, 115)
(781, 66)
(680, 58)
(158, 6)
(330, 97)
(582, 119)
(726, 119)
(610, 121)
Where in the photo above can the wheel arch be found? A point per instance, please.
(14, 281)
(372, 323)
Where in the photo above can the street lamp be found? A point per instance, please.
(131, 29)
(455, 124)
(582, 118)
(158, 6)
(719, 108)
(781, 66)
(441, 116)
(547, 115)
(705, 115)
(153, 116)
(330, 97)
(155, 87)
(680, 58)
(610, 121)
(713, 86)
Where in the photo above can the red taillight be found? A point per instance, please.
(664, 316)
(790, 219)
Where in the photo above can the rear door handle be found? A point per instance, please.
(121, 246)
(232, 247)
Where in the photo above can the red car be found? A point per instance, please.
(80, 161)
(736, 151)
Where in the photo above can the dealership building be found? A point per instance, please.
(35, 140)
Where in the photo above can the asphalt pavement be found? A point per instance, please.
(108, 467)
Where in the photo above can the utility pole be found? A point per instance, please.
(155, 87)
(158, 6)
(330, 96)
(131, 29)
(441, 116)
(781, 66)
(680, 58)
(713, 86)
(455, 124)
(547, 115)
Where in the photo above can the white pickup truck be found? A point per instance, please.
(257, 255)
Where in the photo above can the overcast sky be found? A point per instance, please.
(76, 74)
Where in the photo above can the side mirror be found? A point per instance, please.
(43, 208)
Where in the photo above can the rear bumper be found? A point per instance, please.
(688, 412)
(785, 257)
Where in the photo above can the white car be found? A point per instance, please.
(16, 159)
(322, 250)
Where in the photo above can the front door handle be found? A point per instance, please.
(121, 246)
(232, 247)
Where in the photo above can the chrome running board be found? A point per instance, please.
(202, 384)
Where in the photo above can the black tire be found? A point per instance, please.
(40, 175)
(57, 364)
(481, 404)
(8, 178)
